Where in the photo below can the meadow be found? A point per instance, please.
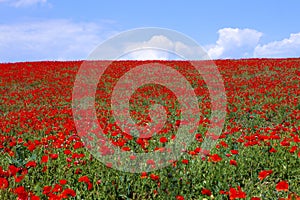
(257, 156)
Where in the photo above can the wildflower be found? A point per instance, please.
(205, 191)
(215, 158)
(282, 186)
(236, 193)
(163, 140)
(233, 162)
(63, 182)
(144, 175)
(263, 174)
(185, 161)
(44, 159)
(234, 152)
(3, 183)
(154, 177)
(31, 164)
(68, 192)
(179, 197)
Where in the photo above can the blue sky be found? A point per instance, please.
(69, 30)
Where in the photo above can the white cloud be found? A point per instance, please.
(68, 40)
(289, 47)
(159, 47)
(24, 3)
(234, 43)
(146, 54)
(49, 40)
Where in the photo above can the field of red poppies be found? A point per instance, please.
(257, 155)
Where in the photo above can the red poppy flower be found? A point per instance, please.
(44, 159)
(68, 192)
(54, 156)
(150, 162)
(31, 147)
(31, 164)
(18, 179)
(293, 196)
(272, 150)
(109, 165)
(179, 197)
(78, 171)
(224, 144)
(12, 170)
(293, 149)
(132, 157)
(163, 140)
(233, 162)
(63, 182)
(282, 186)
(173, 137)
(215, 158)
(67, 152)
(185, 161)
(198, 136)
(224, 192)
(84, 179)
(57, 188)
(78, 145)
(47, 190)
(126, 148)
(144, 175)
(236, 193)
(154, 177)
(285, 143)
(21, 192)
(44, 169)
(205, 191)
(234, 152)
(3, 173)
(3, 183)
(34, 197)
(90, 185)
(263, 174)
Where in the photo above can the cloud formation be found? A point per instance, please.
(68, 40)
(288, 47)
(234, 43)
(49, 40)
(144, 52)
(243, 43)
(159, 47)
(24, 3)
